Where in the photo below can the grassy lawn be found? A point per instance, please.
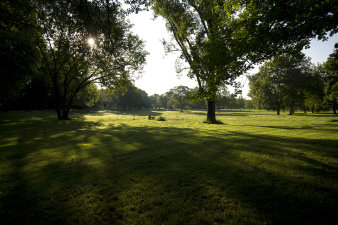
(117, 167)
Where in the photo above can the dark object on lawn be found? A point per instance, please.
(151, 117)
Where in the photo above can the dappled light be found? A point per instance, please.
(82, 141)
(127, 169)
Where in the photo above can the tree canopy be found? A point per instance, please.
(19, 56)
(280, 82)
(110, 58)
(221, 40)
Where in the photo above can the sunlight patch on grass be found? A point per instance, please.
(8, 142)
(117, 167)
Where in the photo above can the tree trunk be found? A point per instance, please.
(278, 110)
(292, 110)
(57, 106)
(58, 112)
(304, 109)
(292, 106)
(65, 114)
(211, 117)
(334, 107)
(313, 109)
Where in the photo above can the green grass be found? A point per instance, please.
(119, 167)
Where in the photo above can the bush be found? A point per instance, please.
(161, 118)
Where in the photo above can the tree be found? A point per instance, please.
(107, 99)
(20, 58)
(111, 56)
(314, 91)
(279, 82)
(221, 40)
(155, 100)
(331, 79)
(249, 105)
(240, 102)
(133, 98)
(223, 96)
(163, 101)
(266, 93)
(87, 96)
(296, 79)
(178, 97)
(195, 100)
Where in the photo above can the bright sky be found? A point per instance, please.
(159, 73)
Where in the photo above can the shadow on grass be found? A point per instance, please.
(72, 172)
(316, 114)
(143, 112)
(221, 113)
(101, 112)
(307, 127)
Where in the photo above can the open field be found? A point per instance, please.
(118, 167)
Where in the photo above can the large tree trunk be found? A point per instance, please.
(334, 104)
(58, 112)
(57, 105)
(65, 113)
(211, 117)
(292, 111)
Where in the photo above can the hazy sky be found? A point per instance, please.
(159, 72)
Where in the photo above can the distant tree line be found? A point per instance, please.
(177, 98)
(291, 81)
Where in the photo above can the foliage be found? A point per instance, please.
(87, 96)
(20, 58)
(331, 79)
(314, 94)
(130, 99)
(163, 100)
(107, 99)
(249, 104)
(221, 40)
(223, 98)
(133, 98)
(178, 97)
(72, 63)
(161, 118)
(155, 100)
(323, 88)
(279, 82)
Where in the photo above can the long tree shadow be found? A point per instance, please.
(320, 127)
(316, 114)
(222, 113)
(155, 175)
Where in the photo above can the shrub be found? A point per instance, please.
(161, 118)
